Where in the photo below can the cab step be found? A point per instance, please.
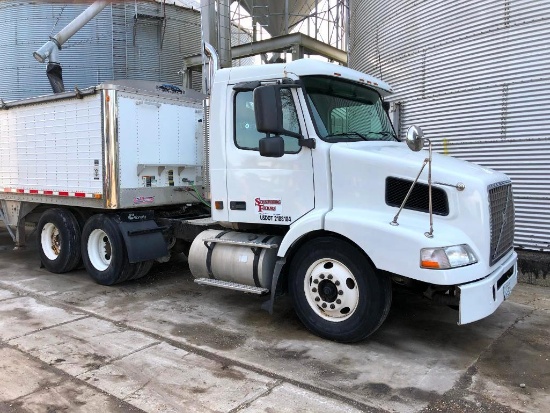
(232, 286)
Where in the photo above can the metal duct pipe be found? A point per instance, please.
(50, 50)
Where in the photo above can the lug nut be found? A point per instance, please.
(337, 283)
(330, 276)
(317, 299)
(338, 301)
(332, 306)
(315, 281)
(324, 305)
(314, 290)
(322, 276)
(340, 292)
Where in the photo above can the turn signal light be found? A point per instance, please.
(447, 257)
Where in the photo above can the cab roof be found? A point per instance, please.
(301, 67)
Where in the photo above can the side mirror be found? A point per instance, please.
(272, 147)
(415, 138)
(268, 110)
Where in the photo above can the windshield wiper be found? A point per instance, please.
(336, 135)
(385, 133)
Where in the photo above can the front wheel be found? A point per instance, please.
(336, 292)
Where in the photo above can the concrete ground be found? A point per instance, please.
(165, 344)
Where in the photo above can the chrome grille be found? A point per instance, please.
(501, 206)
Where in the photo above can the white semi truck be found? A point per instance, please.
(290, 179)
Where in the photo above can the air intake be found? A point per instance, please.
(397, 188)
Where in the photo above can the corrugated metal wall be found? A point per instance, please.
(475, 76)
(112, 45)
(143, 52)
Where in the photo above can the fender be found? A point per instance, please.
(394, 248)
(312, 221)
(142, 236)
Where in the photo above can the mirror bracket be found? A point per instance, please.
(308, 143)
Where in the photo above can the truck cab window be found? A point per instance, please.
(247, 136)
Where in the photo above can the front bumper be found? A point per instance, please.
(481, 298)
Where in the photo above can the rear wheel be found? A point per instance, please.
(143, 269)
(59, 240)
(336, 292)
(104, 252)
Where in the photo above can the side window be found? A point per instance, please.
(246, 134)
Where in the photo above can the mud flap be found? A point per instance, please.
(144, 240)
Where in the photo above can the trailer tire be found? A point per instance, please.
(104, 252)
(59, 240)
(336, 292)
(143, 269)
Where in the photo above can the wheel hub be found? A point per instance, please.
(50, 240)
(328, 291)
(99, 249)
(56, 245)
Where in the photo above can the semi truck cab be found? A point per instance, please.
(305, 150)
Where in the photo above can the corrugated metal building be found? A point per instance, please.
(114, 45)
(475, 76)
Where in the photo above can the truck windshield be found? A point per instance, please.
(345, 111)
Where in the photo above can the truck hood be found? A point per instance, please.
(365, 203)
(396, 159)
(360, 170)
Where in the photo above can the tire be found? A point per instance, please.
(142, 269)
(104, 252)
(336, 292)
(59, 240)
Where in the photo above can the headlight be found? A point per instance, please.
(447, 257)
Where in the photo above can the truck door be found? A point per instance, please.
(265, 190)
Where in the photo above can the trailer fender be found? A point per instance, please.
(143, 238)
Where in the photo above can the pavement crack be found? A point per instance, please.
(145, 347)
(48, 327)
(248, 403)
(208, 354)
(472, 369)
(463, 383)
(13, 298)
(129, 396)
(114, 359)
(68, 377)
